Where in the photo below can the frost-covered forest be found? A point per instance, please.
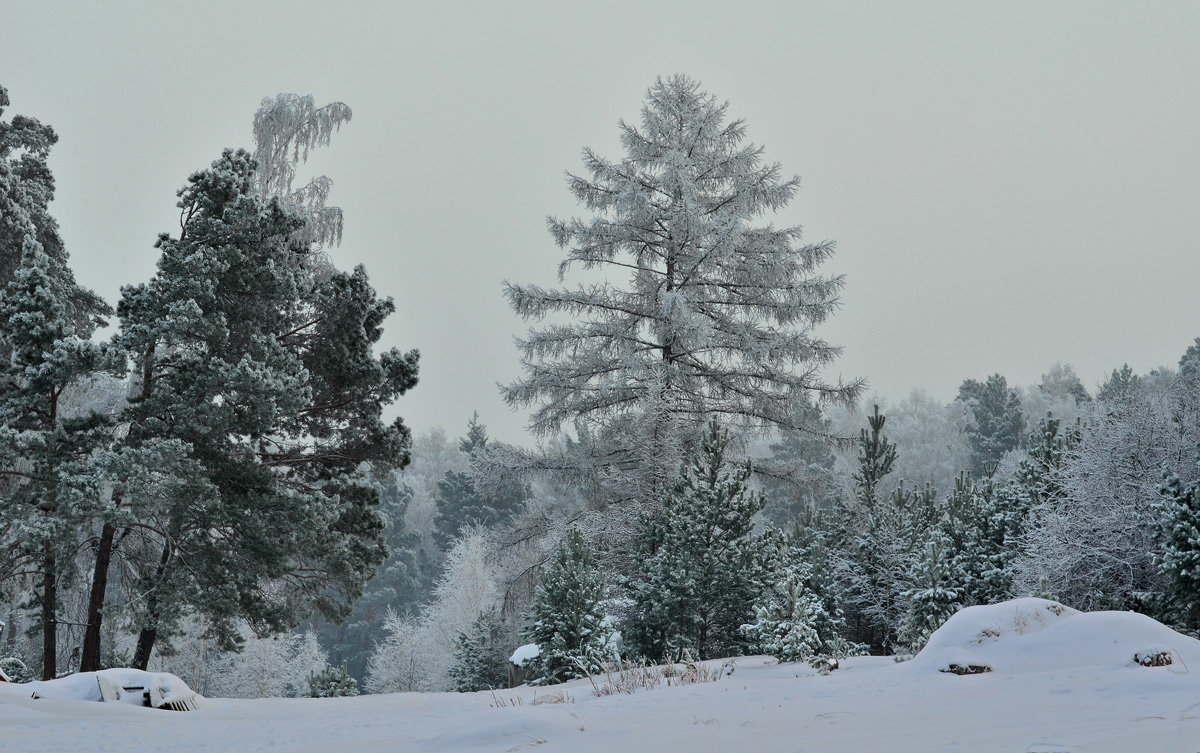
(201, 477)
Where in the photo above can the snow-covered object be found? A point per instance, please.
(524, 654)
(166, 691)
(4, 677)
(1034, 635)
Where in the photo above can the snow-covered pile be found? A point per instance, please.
(1032, 635)
(524, 654)
(166, 691)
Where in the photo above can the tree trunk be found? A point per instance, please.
(146, 638)
(90, 659)
(145, 644)
(49, 613)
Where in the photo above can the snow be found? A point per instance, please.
(1036, 635)
(115, 685)
(524, 654)
(1060, 682)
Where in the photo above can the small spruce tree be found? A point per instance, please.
(480, 656)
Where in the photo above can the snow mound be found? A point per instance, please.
(1033, 635)
(160, 690)
(524, 654)
(976, 626)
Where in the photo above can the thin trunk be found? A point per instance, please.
(146, 638)
(90, 659)
(10, 634)
(49, 613)
(145, 644)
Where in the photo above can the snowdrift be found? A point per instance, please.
(1035, 635)
(160, 690)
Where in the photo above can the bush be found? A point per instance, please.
(15, 669)
(331, 682)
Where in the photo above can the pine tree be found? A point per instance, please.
(706, 568)
(49, 494)
(480, 658)
(808, 551)
(999, 422)
(877, 538)
(331, 682)
(876, 456)
(716, 317)
(797, 615)
(567, 618)
(785, 626)
(1038, 479)
(981, 526)
(1121, 385)
(26, 190)
(934, 596)
(267, 372)
(45, 356)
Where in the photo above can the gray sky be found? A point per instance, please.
(1009, 184)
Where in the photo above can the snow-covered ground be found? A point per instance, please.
(1060, 681)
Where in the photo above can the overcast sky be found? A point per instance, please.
(1009, 184)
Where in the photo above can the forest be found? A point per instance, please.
(207, 477)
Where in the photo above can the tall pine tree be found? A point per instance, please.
(266, 372)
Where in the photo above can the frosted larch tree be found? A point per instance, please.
(701, 311)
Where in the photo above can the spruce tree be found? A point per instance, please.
(706, 568)
(567, 618)
(403, 582)
(480, 656)
(798, 477)
(462, 504)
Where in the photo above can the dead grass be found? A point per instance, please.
(629, 677)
